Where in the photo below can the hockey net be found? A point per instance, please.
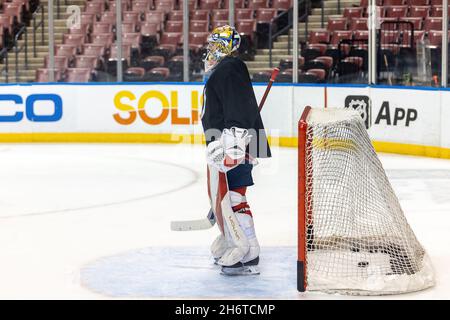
(353, 235)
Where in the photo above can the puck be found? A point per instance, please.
(363, 264)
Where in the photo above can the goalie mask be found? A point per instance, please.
(222, 42)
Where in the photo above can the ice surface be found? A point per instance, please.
(80, 221)
(190, 273)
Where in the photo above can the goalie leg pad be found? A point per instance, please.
(218, 247)
(241, 251)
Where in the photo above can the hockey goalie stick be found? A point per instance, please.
(210, 220)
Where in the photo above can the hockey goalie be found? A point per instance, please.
(235, 138)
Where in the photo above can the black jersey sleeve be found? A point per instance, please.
(235, 90)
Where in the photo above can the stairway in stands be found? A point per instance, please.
(28, 74)
(280, 46)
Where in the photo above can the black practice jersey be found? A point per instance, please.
(229, 101)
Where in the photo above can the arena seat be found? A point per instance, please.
(319, 73)
(337, 24)
(87, 19)
(134, 74)
(76, 40)
(237, 4)
(174, 26)
(175, 65)
(164, 5)
(60, 62)
(436, 11)
(200, 15)
(246, 27)
(393, 2)
(287, 63)
(327, 61)
(176, 15)
(91, 49)
(151, 62)
(416, 21)
(131, 17)
(111, 64)
(198, 26)
(150, 36)
(417, 36)
(314, 50)
(361, 35)
(284, 76)
(358, 24)
(283, 5)
(432, 24)
(66, 50)
(94, 7)
(78, 75)
(219, 14)
(396, 11)
(219, 23)
(109, 17)
(209, 4)
(42, 75)
(419, 11)
(158, 74)
(319, 37)
(355, 12)
(101, 27)
(192, 4)
(389, 37)
(348, 70)
(262, 76)
(197, 40)
(84, 61)
(435, 38)
(418, 2)
(128, 28)
(168, 44)
(338, 36)
(265, 15)
(155, 17)
(308, 77)
(105, 39)
(112, 6)
(257, 4)
(133, 39)
(244, 14)
(80, 29)
(6, 21)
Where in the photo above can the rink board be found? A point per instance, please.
(401, 120)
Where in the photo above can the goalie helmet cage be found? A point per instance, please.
(353, 237)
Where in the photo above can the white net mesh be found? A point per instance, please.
(358, 240)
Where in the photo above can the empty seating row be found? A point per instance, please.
(427, 24)
(395, 11)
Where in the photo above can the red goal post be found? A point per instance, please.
(301, 261)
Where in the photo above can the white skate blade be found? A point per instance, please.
(240, 271)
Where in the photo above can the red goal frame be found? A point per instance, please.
(303, 143)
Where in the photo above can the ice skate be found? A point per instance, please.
(242, 269)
